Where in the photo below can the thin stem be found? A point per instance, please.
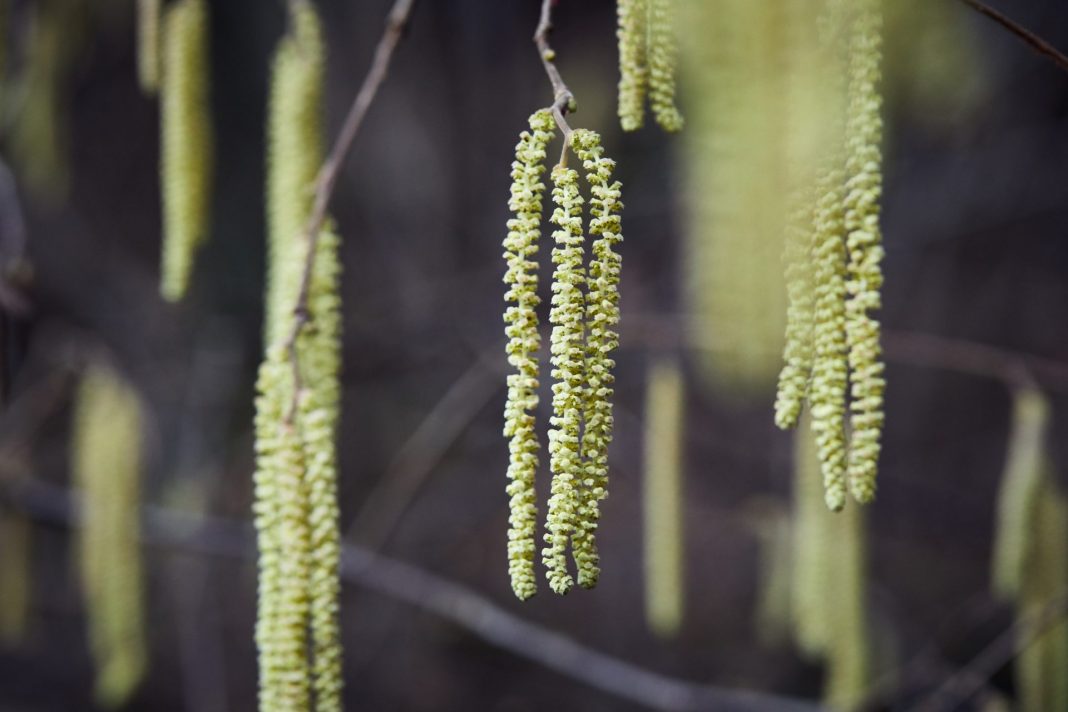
(326, 182)
(1037, 43)
(563, 99)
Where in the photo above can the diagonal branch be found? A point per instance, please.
(326, 182)
(227, 538)
(1037, 43)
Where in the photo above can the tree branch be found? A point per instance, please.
(1037, 43)
(326, 182)
(563, 99)
(218, 537)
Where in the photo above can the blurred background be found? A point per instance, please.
(975, 303)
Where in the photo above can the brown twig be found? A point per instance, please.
(326, 182)
(563, 99)
(1037, 43)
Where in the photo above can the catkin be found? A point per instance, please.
(148, 21)
(601, 321)
(524, 342)
(187, 141)
(662, 498)
(1020, 489)
(864, 244)
(633, 75)
(661, 55)
(106, 466)
(568, 349)
(296, 479)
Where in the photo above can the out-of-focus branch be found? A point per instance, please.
(326, 182)
(213, 536)
(1036, 43)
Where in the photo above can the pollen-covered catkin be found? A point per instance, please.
(148, 21)
(106, 468)
(601, 320)
(864, 246)
(185, 121)
(296, 478)
(633, 75)
(568, 349)
(524, 342)
(661, 55)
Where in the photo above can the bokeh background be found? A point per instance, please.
(976, 209)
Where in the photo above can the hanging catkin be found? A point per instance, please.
(662, 498)
(864, 244)
(524, 342)
(296, 478)
(830, 582)
(647, 63)
(568, 350)
(148, 22)
(601, 320)
(187, 141)
(106, 467)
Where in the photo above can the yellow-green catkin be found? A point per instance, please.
(602, 339)
(296, 478)
(1039, 669)
(864, 246)
(633, 75)
(524, 342)
(661, 55)
(15, 575)
(732, 58)
(830, 582)
(148, 55)
(106, 466)
(662, 497)
(185, 121)
(1020, 488)
(568, 349)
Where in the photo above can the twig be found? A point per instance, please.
(1037, 43)
(960, 687)
(328, 176)
(219, 537)
(563, 99)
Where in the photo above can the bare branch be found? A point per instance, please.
(328, 176)
(563, 99)
(218, 537)
(1037, 43)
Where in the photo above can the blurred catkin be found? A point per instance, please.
(602, 339)
(524, 342)
(15, 575)
(296, 478)
(106, 465)
(1021, 486)
(633, 74)
(661, 54)
(662, 498)
(148, 50)
(647, 63)
(186, 164)
(568, 349)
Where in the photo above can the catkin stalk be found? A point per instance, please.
(185, 122)
(662, 498)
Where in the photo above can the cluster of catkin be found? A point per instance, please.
(647, 59)
(584, 315)
(832, 355)
(297, 407)
(106, 466)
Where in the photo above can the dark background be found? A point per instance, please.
(976, 212)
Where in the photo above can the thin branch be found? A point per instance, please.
(960, 687)
(328, 176)
(219, 537)
(563, 99)
(1037, 43)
